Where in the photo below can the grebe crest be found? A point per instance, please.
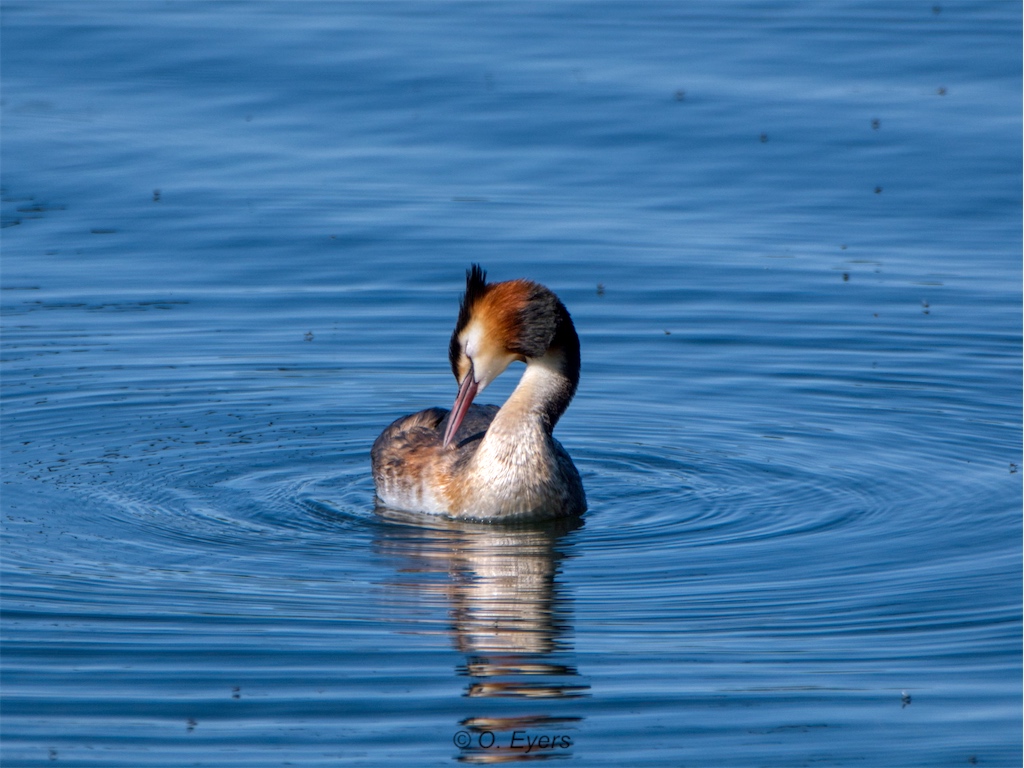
(482, 462)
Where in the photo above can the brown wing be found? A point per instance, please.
(408, 444)
(419, 430)
(412, 469)
(474, 425)
(406, 435)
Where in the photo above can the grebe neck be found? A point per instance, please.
(541, 397)
(518, 466)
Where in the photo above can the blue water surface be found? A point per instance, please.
(234, 238)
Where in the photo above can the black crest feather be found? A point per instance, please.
(476, 286)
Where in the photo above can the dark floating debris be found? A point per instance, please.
(40, 208)
(600, 289)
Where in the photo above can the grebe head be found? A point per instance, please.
(503, 322)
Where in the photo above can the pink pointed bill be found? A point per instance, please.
(467, 391)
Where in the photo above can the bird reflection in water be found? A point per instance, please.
(509, 616)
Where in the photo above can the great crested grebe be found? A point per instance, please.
(481, 462)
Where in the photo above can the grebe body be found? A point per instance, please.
(482, 462)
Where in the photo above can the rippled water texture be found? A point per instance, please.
(234, 238)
